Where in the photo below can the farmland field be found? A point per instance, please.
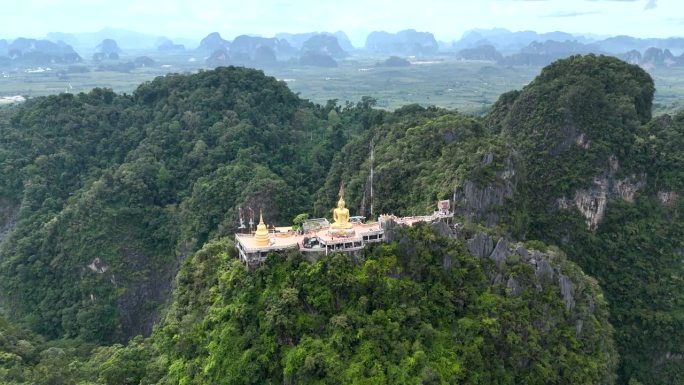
(469, 86)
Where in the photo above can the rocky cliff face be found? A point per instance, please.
(668, 198)
(592, 201)
(579, 292)
(480, 201)
(550, 268)
(150, 293)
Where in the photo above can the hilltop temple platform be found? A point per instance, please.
(318, 236)
(324, 239)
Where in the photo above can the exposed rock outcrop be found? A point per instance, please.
(390, 226)
(501, 252)
(513, 285)
(478, 201)
(566, 288)
(550, 268)
(442, 229)
(668, 198)
(149, 293)
(592, 201)
(543, 267)
(97, 266)
(480, 245)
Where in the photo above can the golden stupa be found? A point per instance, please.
(341, 214)
(261, 235)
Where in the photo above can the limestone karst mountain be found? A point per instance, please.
(575, 160)
(324, 44)
(213, 42)
(167, 45)
(115, 208)
(33, 52)
(406, 42)
(482, 52)
(108, 47)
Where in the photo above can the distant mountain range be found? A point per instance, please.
(318, 49)
(506, 41)
(408, 41)
(325, 48)
(32, 52)
(543, 53)
(297, 40)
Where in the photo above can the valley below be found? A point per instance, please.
(470, 86)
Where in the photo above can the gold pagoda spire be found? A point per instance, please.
(261, 235)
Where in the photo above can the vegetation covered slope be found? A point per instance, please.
(112, 190)
(573, 159)
(398, 317)
(419, 310)
(601, 179)
(401, 316)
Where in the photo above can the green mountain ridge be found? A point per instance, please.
(399, 316)
(106, 197)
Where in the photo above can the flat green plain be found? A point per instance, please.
(468, 86)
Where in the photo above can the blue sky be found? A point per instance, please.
(447, 19)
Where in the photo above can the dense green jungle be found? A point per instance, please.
(565, 264)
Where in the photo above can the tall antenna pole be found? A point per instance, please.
(251, 219)
(372, 159)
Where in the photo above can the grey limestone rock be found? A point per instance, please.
(513, 286)
(442, 229)
(500, 252)
(592, 201)
(578, 327)
(567, 288)
(522, 252)
(480, 245)
(487, 159)
(391, 228)
(543, 268)
(479, 201)
(480, 198)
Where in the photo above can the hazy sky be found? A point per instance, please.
(447, 19)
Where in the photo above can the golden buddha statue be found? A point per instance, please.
(261, 236)
(341, 214)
